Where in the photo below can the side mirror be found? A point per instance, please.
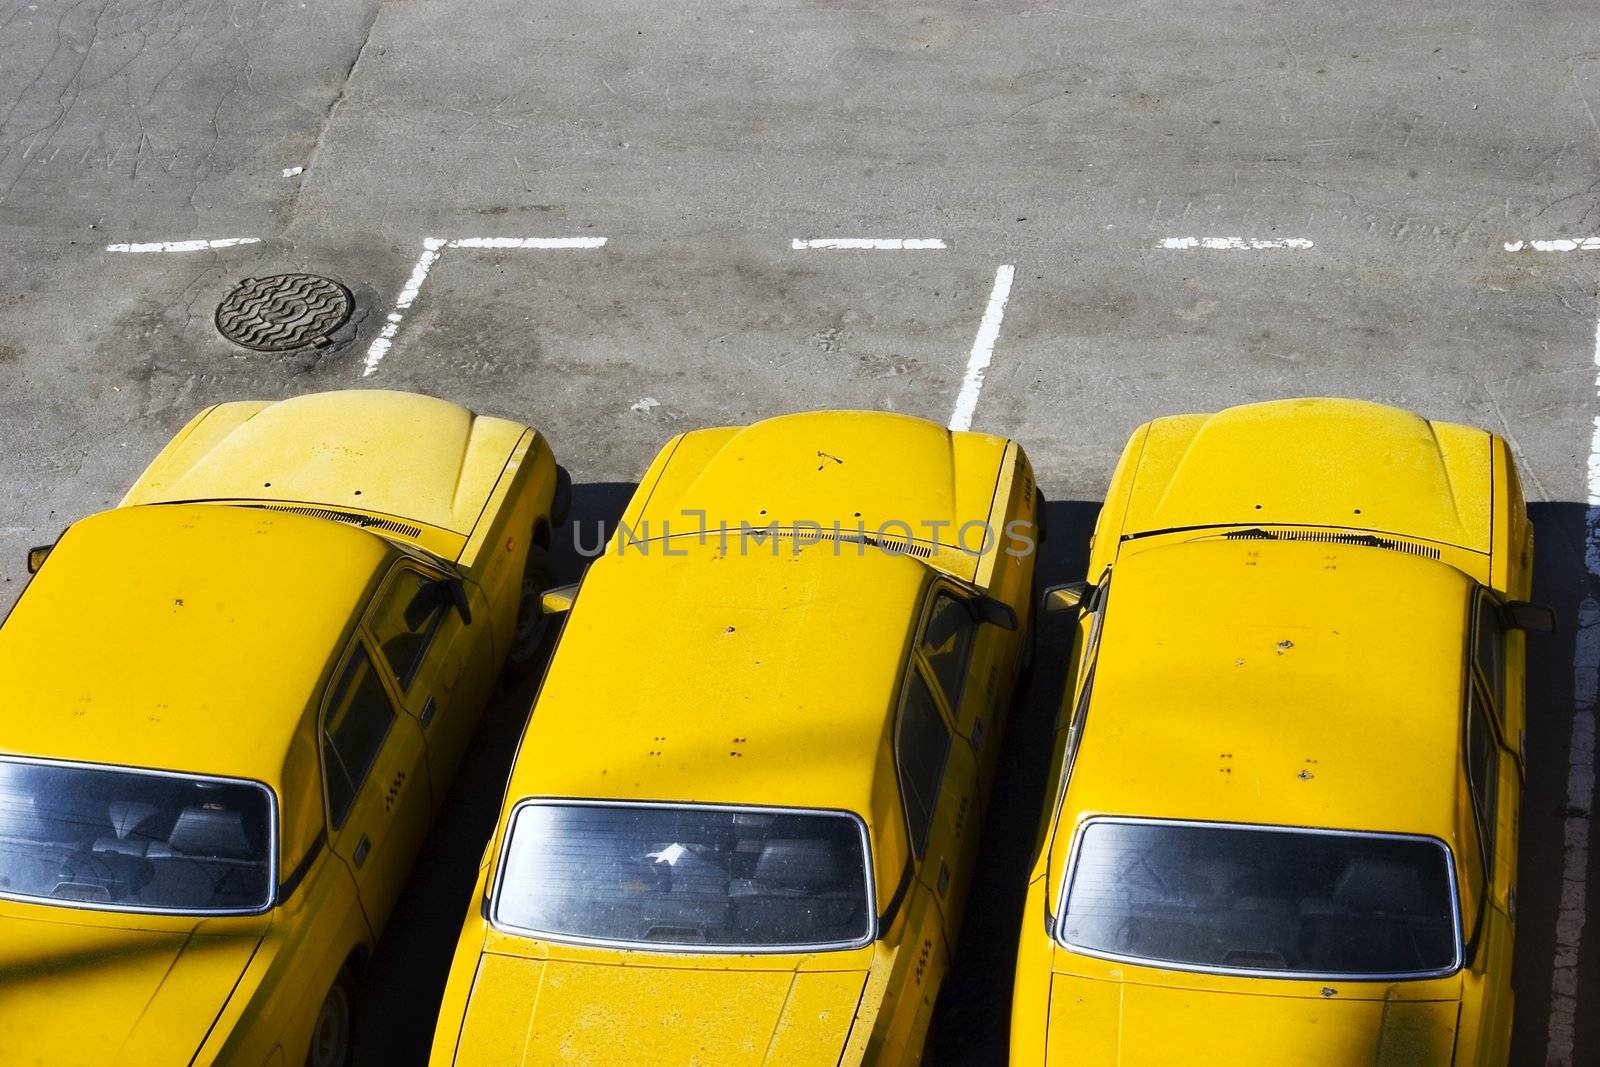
(558, 599)
(986, 609)
(1069, 597)
(36, 557)
(458, 597)
(1521, 615)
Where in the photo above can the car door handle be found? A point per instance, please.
(362, 848)
(427, 712)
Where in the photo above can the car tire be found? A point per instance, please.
(534, 627)
(331, 1037)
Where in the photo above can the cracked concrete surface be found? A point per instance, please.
(1067, 138)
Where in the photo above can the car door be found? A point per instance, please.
(375, 778)
(1493, 781)
(961, 664)
(924, 746)
(440, 664)
(965, 660)
(1497, 656)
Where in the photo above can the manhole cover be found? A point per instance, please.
(283, 312)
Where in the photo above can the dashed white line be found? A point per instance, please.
(1562, 1029)
(882, 244)
(183, 246)
(527, 242)
(982, 349)
(1237, 243)
(1561, 244)
(432, 247)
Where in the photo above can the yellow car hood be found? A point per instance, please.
(1093, 1021)
(528, 1011)
(370, 450)
(1316, 462)
(97, 994)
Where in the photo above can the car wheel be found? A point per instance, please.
(330, 1038)
(534, 627)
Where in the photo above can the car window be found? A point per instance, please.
(1080, 719)
(921, 747)
(404, 619)
(357, 720)
(126, 839)
(1222, 898)
(1483, 773)
(1490, 651)
(701, 878)
(947, 644)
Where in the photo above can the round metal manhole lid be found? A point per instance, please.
(283, 312)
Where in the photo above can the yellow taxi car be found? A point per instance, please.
(743, 815)
(1288, 769)
(233, 706)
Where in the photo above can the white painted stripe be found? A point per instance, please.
(982, 349)
(1562, 1029)
(1562, 244)
(432, 247)
(184, 246)
(419, 274)
(1237, 243)
(528, 242)
(886, 244)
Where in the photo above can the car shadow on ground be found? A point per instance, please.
(1561, 580)
(972, 1019)
(398, 1000)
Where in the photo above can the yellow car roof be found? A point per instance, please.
(726, 678)
(183, 637)
(1278, 682)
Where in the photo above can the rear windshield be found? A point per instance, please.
(133, 840)
(1212, 897)
(700, 878)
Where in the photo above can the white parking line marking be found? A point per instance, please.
(882, 244)
(983, 349)
(1237, 243)
(527, 242)
(1562, 1029)
(419, 274)
(184, 246)
(432, 247)
(1562, 244)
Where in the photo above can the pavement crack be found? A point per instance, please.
(332, 109)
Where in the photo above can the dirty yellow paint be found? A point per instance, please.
(1304, 679)
(760, 671)
(192, 631)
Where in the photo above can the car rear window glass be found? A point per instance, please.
(693, 877)
(133, 840)
(1215, 897)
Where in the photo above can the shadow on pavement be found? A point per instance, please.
(1560, 580)
(399, 997)
(972, 1019)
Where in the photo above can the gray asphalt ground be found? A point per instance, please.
(1409, 142)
